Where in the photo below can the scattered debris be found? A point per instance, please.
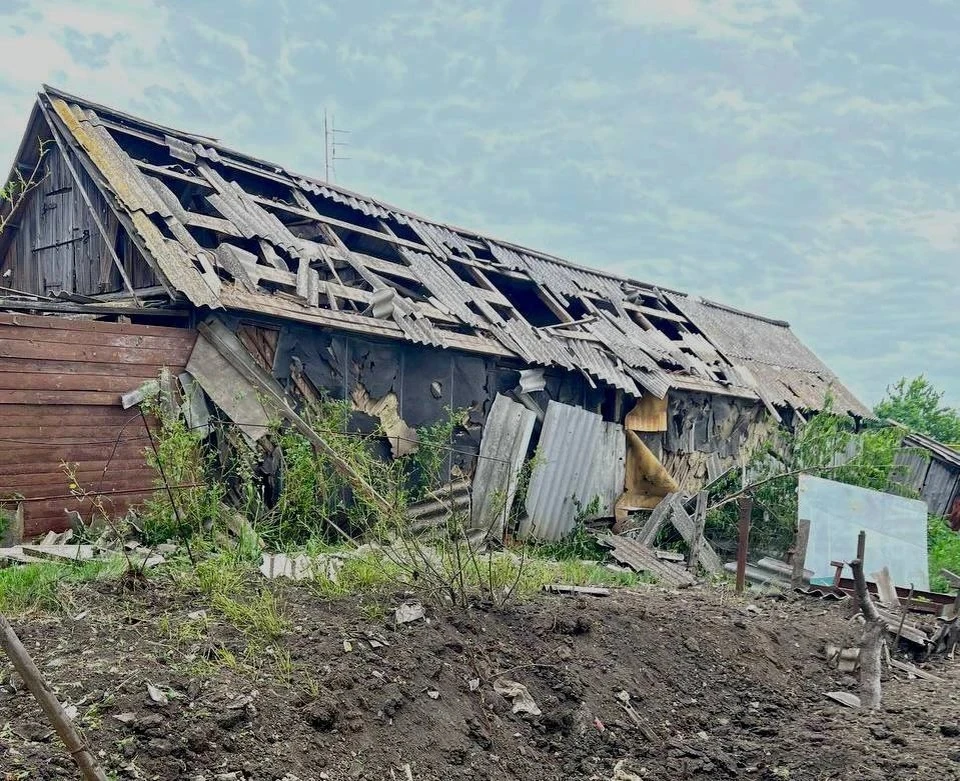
(157, 695)
(915, 671)
(590, 591)
(844, 698)
(846, 660)
(280, 565)
(522, 701)
(645, 560)
(409, 612)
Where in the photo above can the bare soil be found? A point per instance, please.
(718, 688)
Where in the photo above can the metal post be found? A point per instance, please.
(743, 542)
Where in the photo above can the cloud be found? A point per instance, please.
(758, 23)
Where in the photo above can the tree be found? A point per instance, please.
(918, 405)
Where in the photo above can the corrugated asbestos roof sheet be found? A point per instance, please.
(186, 192)
(787, 373)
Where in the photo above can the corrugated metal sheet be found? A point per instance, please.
(443, 285)
(437, 508)
(60, 387)
(564, 480)
(503, 448)
(253, 205)
(609, 462)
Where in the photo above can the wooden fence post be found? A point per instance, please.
(49, 703)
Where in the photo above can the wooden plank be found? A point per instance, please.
(62, 324)
(648, 532)
(92, 309)
(952, 579)
(60, 414)
(699, 521)
(179, 341)
(800, 552)
(54, 453)
(12, 348)
(58, 397)
(886, 591)
(18, 365)
(912, 669)
(590, 591)
(37, 484)
(39, 381)
(684, 524)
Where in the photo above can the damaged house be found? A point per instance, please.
(142, 247)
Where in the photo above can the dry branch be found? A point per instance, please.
(872, 642)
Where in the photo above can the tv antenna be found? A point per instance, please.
(332, 144)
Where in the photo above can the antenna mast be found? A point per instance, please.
(331, 146)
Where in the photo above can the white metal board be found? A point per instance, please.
(896, 530)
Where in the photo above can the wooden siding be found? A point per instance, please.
(57, 245)
(60, 387)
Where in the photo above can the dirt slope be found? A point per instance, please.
(717, 689)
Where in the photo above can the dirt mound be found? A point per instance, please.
(648, 685)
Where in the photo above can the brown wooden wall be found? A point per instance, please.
(56, 244)
(60, 387)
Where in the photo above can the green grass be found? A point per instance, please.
(944, 552)
(45, 586)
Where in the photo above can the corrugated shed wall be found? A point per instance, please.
(60, 387)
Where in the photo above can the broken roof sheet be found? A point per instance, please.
(453, 287)
(784, 371)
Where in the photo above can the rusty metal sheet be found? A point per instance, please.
(503, 448)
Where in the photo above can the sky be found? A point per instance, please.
(796, 159)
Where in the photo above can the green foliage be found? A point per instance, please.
(226, 581)
(580, 543)
(943, 546)
(918, 405)
(426, 467)
(181, 459)
(826, 445)
(313, 493)
(16, 190)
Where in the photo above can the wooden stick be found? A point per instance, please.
(903, 617)
(50, 705)
(800, 552)
(743, 541)
(700, 520)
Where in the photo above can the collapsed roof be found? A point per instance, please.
(224, 230)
